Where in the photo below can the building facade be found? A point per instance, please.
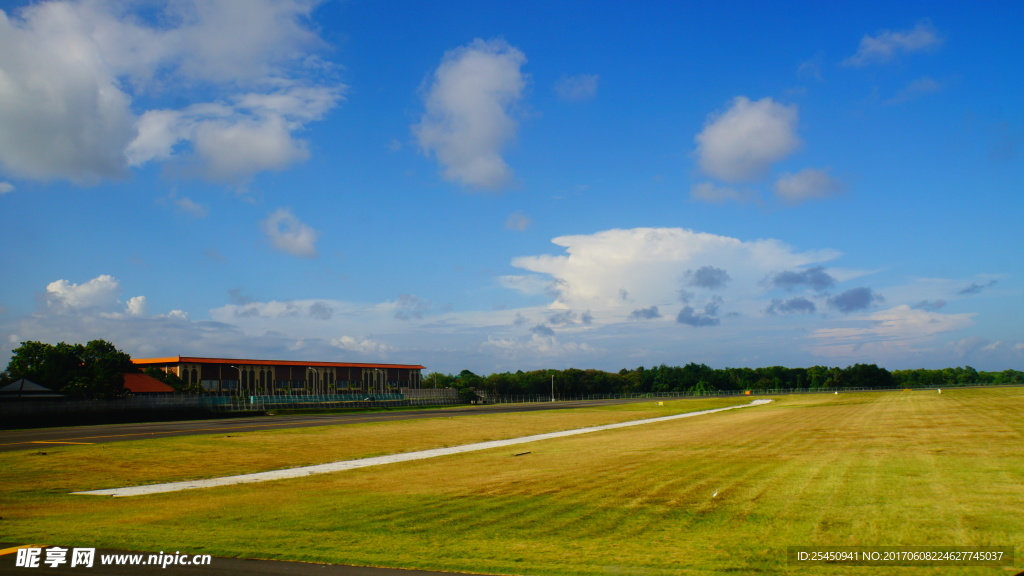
(247, 376)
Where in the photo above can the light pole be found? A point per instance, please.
(239, 378)
(313, 380)
(552, 387)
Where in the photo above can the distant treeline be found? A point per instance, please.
(702, 379)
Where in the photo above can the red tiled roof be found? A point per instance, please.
(144, 383)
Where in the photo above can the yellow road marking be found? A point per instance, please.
(6, 551)
(56, 442)
(265, 425)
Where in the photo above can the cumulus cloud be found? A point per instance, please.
(289, 234)
(468, 119)
(797, 305)
(854, 299)
(233, 140)
(742, 143)
(577, 88)
(645, 313)
(100, 292)
(888, 44)
(814, 278)
(518, 221)
(77, 72)
(806, 185)
(137, 306)
(361, 345)
(622, 270)
(6, 187)
(706, 317)
(707, 277)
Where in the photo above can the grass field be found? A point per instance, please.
(882, 468)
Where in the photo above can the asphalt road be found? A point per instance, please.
(41, 438)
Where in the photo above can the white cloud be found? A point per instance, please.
(806, 185)
(100, 292)
(916, 89)
(188, 206)
(518, 221)
(530, 284)
(650, 265)
(887, 44)
(361, 345)
(468, 119)
(288, 233)
(231, 142)
(6, 187)
(62, 108)
(716, 194)
(577, 88)
(887, 334)
(730, 315)
(742, 143)
(539, 343)
(76, 71)
(137, 306)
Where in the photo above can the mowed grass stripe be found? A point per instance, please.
(914, 468)
(151, 461)
(346, 465)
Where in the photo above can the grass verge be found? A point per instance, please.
(713, 494)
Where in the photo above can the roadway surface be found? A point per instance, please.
(41, 438)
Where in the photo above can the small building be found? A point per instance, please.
(25, 389)
(138, 383)
(248, 376)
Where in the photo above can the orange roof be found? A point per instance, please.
(249, 362)
(144, 383)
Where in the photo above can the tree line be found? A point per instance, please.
(696, 378)
(95, 370)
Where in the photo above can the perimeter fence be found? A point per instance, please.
(152, 407)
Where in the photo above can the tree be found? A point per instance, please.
(94, 370)
(172, 380)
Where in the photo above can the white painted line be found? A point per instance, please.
(376, 461)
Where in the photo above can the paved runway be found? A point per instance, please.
(42, 438)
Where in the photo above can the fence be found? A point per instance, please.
(169, 406)
(526, 398)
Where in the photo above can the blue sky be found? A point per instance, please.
(516, 185)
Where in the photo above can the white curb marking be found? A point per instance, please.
(376, 461)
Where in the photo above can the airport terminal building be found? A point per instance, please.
(247, 376)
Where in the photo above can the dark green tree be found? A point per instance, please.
(94, 370)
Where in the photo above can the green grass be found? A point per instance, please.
(883, 469)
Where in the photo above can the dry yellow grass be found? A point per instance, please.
(893, 468)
